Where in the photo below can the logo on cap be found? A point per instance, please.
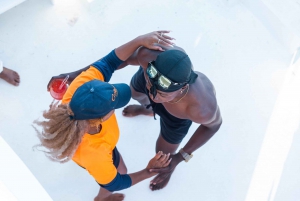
(115, 94)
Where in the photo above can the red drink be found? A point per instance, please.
(58, 88)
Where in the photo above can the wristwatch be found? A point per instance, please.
(185, 155)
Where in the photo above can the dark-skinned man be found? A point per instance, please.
(166, 84)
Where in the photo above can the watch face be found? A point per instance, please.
(185, 155)
(188, 157)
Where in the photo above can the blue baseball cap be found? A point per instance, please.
(95, 99)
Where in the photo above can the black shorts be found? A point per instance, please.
(172, 129)
(116, 157)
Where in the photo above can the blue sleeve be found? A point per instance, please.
(107, 65)
(120, 182)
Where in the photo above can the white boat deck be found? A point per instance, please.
(246, 58)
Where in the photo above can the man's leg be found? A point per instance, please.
(134, 110)
(105, 195)
(173, 130)
(164, 146)
(9, 75)
(139, 93)
(162, 179)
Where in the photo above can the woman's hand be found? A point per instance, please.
(60, 77)
(160, 160)
(151, 40)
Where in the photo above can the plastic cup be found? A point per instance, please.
(58, 88)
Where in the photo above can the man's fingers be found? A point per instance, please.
(159, 179)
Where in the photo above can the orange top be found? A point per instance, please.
(95, 151)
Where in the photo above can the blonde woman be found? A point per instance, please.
(83, 127)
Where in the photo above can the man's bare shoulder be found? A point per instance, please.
(203, 103)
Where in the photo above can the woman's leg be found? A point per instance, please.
(122, 169)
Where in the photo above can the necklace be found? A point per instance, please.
(181, 97)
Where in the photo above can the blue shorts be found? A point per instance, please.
(172, 129)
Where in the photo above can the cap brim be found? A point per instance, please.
(124, 95)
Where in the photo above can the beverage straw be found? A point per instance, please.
(63, 82)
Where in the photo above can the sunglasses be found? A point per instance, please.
(163, 81)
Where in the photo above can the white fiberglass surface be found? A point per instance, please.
(225, 41)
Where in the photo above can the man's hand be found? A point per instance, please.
(160, 160)
(166, 171)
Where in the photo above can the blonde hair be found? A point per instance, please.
(61, 135)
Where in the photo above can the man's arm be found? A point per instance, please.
(210, 124)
